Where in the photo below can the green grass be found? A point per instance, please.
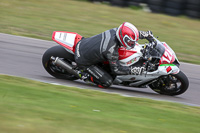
(39, 18)
(32, 107)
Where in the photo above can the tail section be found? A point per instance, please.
(66, 39)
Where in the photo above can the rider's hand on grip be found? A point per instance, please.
(149, 34)
(146, 34)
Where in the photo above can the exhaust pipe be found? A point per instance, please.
(68, 67)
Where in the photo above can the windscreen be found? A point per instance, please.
(158, 51)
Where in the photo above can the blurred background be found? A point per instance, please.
(189, 8)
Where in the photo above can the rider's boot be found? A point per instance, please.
(83, 75)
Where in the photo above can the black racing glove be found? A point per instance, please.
(146, 35)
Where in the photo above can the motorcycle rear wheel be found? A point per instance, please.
(171, 85)
(55, 71)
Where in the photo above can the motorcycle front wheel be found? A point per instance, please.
(55, 71)
(174, 84)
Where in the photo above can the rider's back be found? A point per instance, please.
(96, 49)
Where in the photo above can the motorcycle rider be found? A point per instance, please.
(104, 47)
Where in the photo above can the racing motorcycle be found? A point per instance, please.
(153, 65)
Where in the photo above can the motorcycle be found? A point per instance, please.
(153, 65)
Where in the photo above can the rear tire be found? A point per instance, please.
(179, 83)
(55, 71)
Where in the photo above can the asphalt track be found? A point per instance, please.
(21, 56)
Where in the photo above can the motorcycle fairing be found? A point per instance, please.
(168, 56)
(148, 77)
(166, 69)
(129, 57)
(67, 39)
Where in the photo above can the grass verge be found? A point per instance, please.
(39, 19)
(32, 107)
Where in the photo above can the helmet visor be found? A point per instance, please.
(129, 41)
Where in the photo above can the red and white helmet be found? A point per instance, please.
(128, 35)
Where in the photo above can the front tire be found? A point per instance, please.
(55, 71)
(174, 84)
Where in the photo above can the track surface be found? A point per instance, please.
(21, 56)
